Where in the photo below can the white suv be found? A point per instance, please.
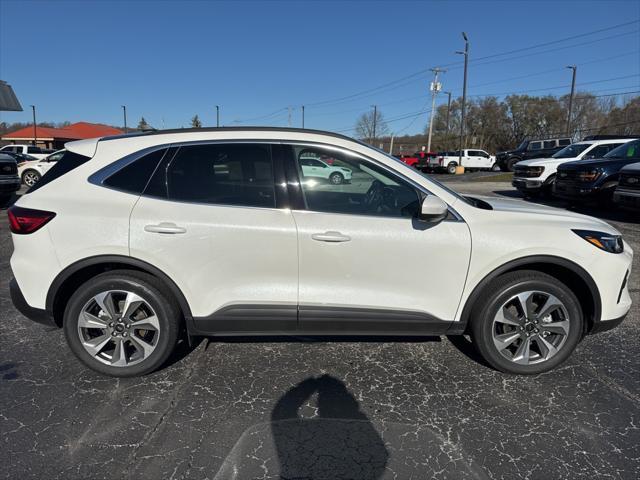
(537, 176)
(31, 172)
(128, 241)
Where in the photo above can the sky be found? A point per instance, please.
(170, 60)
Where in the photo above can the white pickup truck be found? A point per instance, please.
(35, 152)
(471, 160)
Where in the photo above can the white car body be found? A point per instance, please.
(320, 169)
(223, 258)
(594, 149)
(41, 166)
(471, 159)
(24, 149)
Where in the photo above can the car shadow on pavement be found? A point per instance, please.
(612, 212)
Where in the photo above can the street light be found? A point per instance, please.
(464, 93)
(124, 112)
(35, 132)
(573, 89)
(217, 115)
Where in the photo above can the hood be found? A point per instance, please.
(522, 208)
(633, 168)
(541, 162)
(598, 162)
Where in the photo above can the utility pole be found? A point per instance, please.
(464, 94)
(391, 146)
(289, 108)
(217, 115)
(448, 117)
(435, 88)
(35, 132)
(124, 112)
(302, 116)
(573, 91)
(375, 119)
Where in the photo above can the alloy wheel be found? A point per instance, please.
(531, 327)
(31, 178)
(118, 328)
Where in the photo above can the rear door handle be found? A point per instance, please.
(165, 227)
(333, 237)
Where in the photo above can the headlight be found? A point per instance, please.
(589, 176)
(604, 241)
(530, 172)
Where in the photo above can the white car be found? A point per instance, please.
(31, 150)
(137, 238)
(31, 172)
(314, 167)
(470, 160)
(537, 176)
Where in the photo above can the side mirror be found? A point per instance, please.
(433, 209)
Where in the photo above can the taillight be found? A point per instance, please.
(23, 221)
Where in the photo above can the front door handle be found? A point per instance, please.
(333, 237)
(165, 227)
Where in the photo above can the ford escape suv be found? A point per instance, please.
(129, 241)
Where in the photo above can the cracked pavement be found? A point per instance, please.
(297, 408)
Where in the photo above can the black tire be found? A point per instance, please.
(30, 177)
(153, 292)
(496, 168)
(511, 163)
(500, 291)
(336, 178)
(451, 168)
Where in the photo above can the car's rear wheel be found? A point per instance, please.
(495, 167)
(451, 168)
(122, 323)
(30, 178)
(336, 178)
(528, 323)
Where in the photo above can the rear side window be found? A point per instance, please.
(134, 177)
(535, 146)
(563, 142)
(220, 174)
(550, 144)
(34, 150)
(68, 162)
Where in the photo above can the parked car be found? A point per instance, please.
(313, 167)
(627, 193)
(595, 179)
(215, 232)
(31, 172)
(471, 160)
(20, 158)
(34, 151)
(531, 149)
(9, 180)
(537, 176)
(410, 160)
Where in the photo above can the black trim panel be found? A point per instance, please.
(36, 314)
(354, 321)
(604, 326)
(239, 319)
(522, 262)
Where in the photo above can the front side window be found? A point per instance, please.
(222, 174)
(535, 146)
(601, 150)
(550, 144)
(353, 185)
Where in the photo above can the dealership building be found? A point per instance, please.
(55, 138)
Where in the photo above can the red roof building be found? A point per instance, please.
(56, 137)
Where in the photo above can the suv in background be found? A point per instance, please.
(627, 193)
(531, 149)
(537, 176)
(31, 172)
(34, 151)
(595, 179)
(130, 240)
(9, 180)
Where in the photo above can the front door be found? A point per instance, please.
(366, 264)
(209, 219)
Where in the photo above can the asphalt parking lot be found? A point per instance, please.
(273, 408)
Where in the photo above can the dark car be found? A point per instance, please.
(627, 193)
(595, 179)
(531, 149)
(9, 180)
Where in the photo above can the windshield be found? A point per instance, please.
(572, 151)
(523, 145)
(628, 150)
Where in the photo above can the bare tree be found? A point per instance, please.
(368, 129)
(195, 122)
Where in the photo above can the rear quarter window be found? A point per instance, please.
(134, 177)
(68, 162)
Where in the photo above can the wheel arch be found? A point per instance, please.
(67, 281)
(576, 278)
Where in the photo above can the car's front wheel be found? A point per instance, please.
(528, 323)
(451, 168)
(336, 178)
(30, 178)
(122, 323)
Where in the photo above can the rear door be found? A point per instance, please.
(211, 218)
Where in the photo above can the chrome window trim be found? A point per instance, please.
(98, 177)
